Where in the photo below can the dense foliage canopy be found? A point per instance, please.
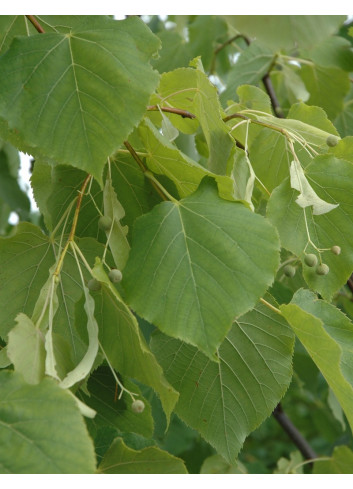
(182, 300)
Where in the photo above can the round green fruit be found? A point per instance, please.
(115, 275)
(322, 269)
(138, 406)
(94, 285)
(336, 250)
(289, 271)
(332, 140)
(310, 260)
(104, 223)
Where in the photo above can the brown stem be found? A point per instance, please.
(36, 24)
(143, 167)
(273, 97)
(172, 110)
(224, 45)
(293, 433)
(73, 226)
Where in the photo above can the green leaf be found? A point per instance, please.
(204, 32)
(4, 359)
(287, 31)
(121, 459)
(26, 349)
(343, 149)
(11, 26)
(114, 411)
(254, 98)
(56, 188)
(63, 93)
(225, 401)
(327, 87)
(251, 66)
(10, 191)
(344, 120)
(331, 179)
(135, 192)
(116, 236)
(166, 159)
(174, 53)
(124, 345)
(215, 464)
(333, 51)
(294, 84)
(340, 463)
(190, 89)
(327, 335)
(293, 465)
(41, 430)
(25, 259)
(204, 251)
(269, 152)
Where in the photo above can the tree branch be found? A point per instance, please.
(173, 110)
(293, 433)
(273, 97)
(36, 24)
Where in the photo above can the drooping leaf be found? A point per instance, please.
(330, 178)
(121, 459)
(165, 159)
(26, 349)
(88, 87)
(124, 345)
(228, 400)
(41, 429)
(327, 335)
(191, 263)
